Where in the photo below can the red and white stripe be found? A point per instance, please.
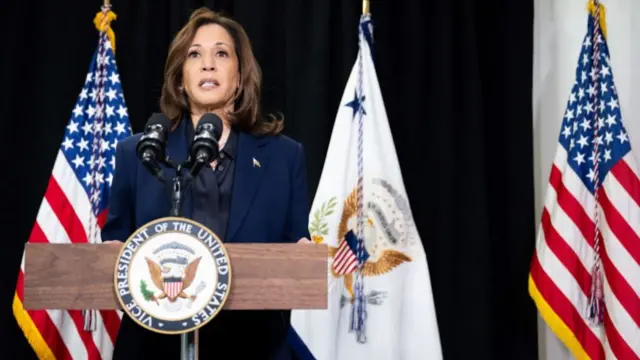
(564, 256)
(64, 217)
(345, 261)
(173, 288)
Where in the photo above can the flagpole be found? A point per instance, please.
(358, 311)
(107, 3)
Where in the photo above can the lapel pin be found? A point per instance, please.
(256, 163)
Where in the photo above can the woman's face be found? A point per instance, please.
(210, 72)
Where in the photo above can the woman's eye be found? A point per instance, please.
(193, 54)
(222, 53)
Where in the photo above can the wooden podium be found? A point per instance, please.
(265, 276)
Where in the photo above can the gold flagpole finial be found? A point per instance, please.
(365, 7)
(107, 3)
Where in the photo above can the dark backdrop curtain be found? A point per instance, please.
(456, 79)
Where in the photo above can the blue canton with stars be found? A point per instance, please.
(99, 120)
(577, 133)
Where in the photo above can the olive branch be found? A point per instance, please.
(318, 226)
(146, 293)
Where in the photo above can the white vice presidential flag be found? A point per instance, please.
(400, 321)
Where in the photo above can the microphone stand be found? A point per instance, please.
(189, 342)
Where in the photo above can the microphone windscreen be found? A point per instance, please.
(215, 121)
(159, 119)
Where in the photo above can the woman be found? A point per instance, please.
(255, 192)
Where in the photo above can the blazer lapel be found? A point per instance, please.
(177, 151)
(252, 161)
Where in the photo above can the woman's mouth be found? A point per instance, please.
(207, 84)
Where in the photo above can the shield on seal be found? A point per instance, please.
(172, 286)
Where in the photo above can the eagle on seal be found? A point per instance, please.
(155, 271)
(383, 263)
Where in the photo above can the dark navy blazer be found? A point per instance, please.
(269, 201)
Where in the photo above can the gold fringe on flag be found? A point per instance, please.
(31, 331)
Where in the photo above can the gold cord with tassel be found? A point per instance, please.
(591, 6)
(102, 21)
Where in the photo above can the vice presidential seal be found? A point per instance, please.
(173, 275)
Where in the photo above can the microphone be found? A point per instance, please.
(151, 146)
(204, 148)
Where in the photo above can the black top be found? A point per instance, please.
(211, 189)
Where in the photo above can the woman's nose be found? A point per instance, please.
(208, 64)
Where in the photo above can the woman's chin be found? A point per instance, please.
(207, 105)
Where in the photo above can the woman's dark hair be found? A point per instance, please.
(173, 102)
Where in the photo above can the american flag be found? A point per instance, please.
(74, 208)
(345, 260)
(591, 218)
